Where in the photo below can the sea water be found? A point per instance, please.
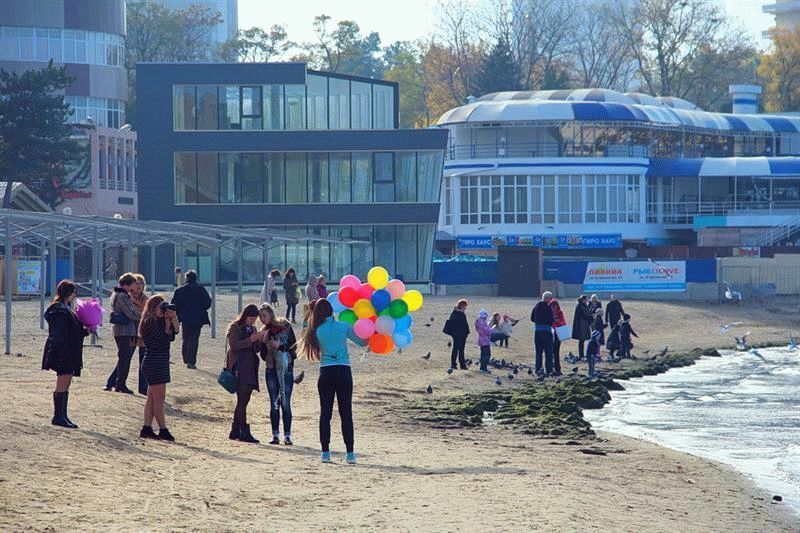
(742, 409)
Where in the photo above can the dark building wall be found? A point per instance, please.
(107, 16)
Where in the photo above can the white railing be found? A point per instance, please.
(776, 234)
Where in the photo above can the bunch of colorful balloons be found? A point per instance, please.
(378, 309)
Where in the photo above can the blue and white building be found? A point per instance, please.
(593, 168)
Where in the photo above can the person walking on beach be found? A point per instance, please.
(558, 321)
(242, 362)
(581, 324)
(158, 328)
(457, 327)
(542, 317)
(325, 341)
(124, 325)
(290, 287)
(63, 349)
(278, 337)
(484, 339)
(192, 303)
(269, 293)
(625, 333)
(614, 311)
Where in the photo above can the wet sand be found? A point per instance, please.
(410, 476)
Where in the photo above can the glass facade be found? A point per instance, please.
(406, 251)
(62, 46)
(313, 177)
(104, 111)
(325, 102)
(545, 199)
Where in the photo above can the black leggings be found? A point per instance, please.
(581, 349)
(459, 343)
(291, 308)
(335, 381)
(243, 393)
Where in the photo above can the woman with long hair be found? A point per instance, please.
(157, 329)
(290, 286)
(325, 340)
(63, 350)
(279, 339)
(124, 326)
(139, 299)
(242, 361)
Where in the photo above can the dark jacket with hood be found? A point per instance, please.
(63, 350)
(459, 327)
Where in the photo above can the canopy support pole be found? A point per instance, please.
(53, 260)
(95, 267)
(9, 290)
(72, 260)
(214, 255)
(153, 266)
(42, 281)
(240, 273)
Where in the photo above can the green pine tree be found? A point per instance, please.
(498, 71)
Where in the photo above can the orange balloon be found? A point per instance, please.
(381, 344)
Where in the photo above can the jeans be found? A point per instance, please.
(190, 342)
(486, 355)
(543, 342)
(273, 387)
(458, 352)
(291, 309)
(125, 348)
(502, 337)
(335, 382)
(112, 379)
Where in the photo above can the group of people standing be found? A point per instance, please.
(498, 329)
(315, 289)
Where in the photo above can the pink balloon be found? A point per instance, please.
(350, 281)
(396, 289)
(365, 290)
(364, 328)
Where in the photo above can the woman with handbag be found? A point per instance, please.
(241, 360)
(278, 337)
(325, 340)
(124, 325)
(290, 287)
(63, 350)
(157, 330)
(581, 324)
(559, 330)
(139, 299)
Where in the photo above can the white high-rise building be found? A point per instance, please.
(229, 9)
(786, 13)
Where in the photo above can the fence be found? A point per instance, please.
(762, 280)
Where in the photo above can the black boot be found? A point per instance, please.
(58, 411)
(236, 431)
(247, 436)
(65, 409)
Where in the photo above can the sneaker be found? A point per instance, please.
(275, 440)
(164, 434)
(108, 389)
(147, 433)
(288, 441)
(351, 458)
(326, 457)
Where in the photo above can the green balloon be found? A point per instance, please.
(398, 308)
(385, 312)
(348, 316)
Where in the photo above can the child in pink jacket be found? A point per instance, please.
(484, 339)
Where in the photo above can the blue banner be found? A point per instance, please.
(547, 242)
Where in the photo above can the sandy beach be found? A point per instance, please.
(410, 476)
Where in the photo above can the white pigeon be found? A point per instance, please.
(726, 327)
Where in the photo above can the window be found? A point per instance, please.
(185, 178)
(406, 267)
(385, 247)
(318, 178)
(296, 178)
(207, 178)
(273, 107)
(339, 103)
(383, 106)
(273, 164)
(249, 181)
(316, 100)
(448, 204)
(229, 110)
(362, 177)
(183, 97)
(207, 114)
(361, 105)
(340, 177)
(429, 175)
(384, 177)
(295, 107)
(251, 107)
(227, 177)
(406, 183)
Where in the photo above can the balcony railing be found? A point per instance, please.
(684, 212)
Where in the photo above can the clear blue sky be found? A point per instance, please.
(410, 19)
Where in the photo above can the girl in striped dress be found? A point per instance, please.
(157, 329)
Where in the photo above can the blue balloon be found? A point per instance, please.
(338, 306)
(402, 338)
(403, 323)
(381, 299)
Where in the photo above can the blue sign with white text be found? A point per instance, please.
(548, 242)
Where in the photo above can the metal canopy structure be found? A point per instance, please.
(51, 232)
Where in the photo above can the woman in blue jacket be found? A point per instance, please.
(325, 340)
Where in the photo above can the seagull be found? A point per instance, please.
(469, 363)
(741, 342)
(427, 325)
(516, 369)
(427, 356)
(511, 376)
(792, 342)
(757, 354)
(726, 327)
(300, 377)
(429, 390)
(498, 382)
(530, 371)
(575, 370)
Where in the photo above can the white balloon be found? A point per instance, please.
(384, 325)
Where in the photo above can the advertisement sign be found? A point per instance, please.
(639, 276)
(547, 242)
(29, 277)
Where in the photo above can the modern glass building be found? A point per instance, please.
(289, 149)
(593, 168)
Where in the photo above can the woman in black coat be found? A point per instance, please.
(458, 328)
(63, 351)
(581, 323)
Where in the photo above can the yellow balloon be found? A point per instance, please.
(378, 278)
(363, 308)
(414, 299)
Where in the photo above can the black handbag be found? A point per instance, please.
(120, 319)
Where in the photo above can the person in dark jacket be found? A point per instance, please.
(125, 331)
(192, 303)
(63, 350)
(290, 286)
(458, 328)
(241, 360)
(542, 317)
(594, 304)
(599, 325)
(593, 350)
(581, 324)
(614, 311)
(625, 333)
(157, 329)
(279, 337)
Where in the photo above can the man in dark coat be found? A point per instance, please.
(581, 323)
(614, 311)
(542, 317)
(192, 303)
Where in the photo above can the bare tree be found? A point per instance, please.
(461, 47)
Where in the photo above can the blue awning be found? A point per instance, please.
(674, 168)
